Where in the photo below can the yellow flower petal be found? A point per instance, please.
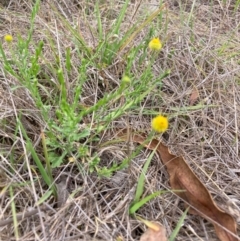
(160, 123)
(155, 44)
(8, 38)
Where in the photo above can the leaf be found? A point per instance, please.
(155, 231)
(44, 197)
(195, 195)
(140, 203)
(179, 225)
(194, 96)
(141, 180)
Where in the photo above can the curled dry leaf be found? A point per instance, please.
(195, 194)
(155, 232)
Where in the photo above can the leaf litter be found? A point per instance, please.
(195, 194)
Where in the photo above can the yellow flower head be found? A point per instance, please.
(160, 123)
(155, 44)
(8, 38)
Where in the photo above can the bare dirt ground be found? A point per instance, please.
(204, 56)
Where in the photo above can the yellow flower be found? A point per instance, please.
(160, 123)
(8, 38)
(155, 44)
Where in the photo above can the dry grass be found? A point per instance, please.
(201, 47)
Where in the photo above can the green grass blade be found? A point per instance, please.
(143, 201)
(141, 180)
(99, 21)
(179, 225)
(68, 60)
(44, 197)
(48, 164)
(14, 213)
(7, 66)
(74, 33)
(133, 32)
(35, 157)
(33, 16)
(62, 86)
(236, 6)
(116, 27)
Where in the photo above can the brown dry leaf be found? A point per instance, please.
(194, 96)
(195, 194)
(155, 232)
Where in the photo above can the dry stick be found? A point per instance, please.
(21, 216)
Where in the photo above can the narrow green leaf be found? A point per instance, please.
(33, 17)
(179, 225)
(139, 204)
(48, 165)
(84, 133)
(68, 60)
(75, 33)
(14, 213)
(116, 27)
(99, 21)
(45, 196)
(141, 180)
(57, 161)
(35, 157)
